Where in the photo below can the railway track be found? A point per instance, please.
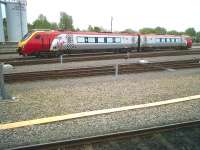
(100, 70)
(64, 144)
(95, 56)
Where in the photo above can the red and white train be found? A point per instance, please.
(57, 42)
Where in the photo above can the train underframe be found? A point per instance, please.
(47, 53)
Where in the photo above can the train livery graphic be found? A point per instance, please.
(59, 42)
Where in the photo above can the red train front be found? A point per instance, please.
(35, 42)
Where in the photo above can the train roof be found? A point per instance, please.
(104, 33)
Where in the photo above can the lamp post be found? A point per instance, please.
(111, 23)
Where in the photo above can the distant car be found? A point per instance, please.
(58, 42)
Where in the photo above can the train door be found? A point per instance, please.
(45, 42)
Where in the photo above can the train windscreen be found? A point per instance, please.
(26, 36)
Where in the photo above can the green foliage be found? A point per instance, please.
(160, 30)
(157, 30)
(147, 30)
(66, 22)
(197, 38)
(54, 26)
(41, 23)
(191, 32)
(173, 32)
(95, 29)
(129, 31)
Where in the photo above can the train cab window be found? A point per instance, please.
(110, 40)
(100, 40)
(81, 40)
(91, 40)
(118, 40)
(37, 36)
(26, 36)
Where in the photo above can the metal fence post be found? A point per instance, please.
(61, 59)
(3, 94)
(116, 70)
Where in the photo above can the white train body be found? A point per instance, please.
(114, 41)
(163, 41)
(95, 41)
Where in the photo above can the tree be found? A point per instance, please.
(95, 29)
(54, 26)
(129, 31)
(160, 30)
(191, 32)
(173, 32)
(66, 22)
(41, 23)
(147, 30)
(197, 38)
(30, 27)
(90, 28)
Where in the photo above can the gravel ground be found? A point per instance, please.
(68, 65)
(5, 56)
(102, 124)
(65, 96)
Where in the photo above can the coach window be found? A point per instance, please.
(174, 40)
(81, 40)
(157, 40)
(118, 40)
(160, 40)
(100, 40)
(91, 40)
(110, 40)
(165, 40)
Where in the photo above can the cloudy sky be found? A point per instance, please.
(134, 14)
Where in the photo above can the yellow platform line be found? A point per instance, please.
(92, 113)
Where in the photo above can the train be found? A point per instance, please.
(36, 43)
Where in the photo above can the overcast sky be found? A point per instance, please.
(134, 14)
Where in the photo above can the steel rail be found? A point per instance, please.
(110, 136)
(95, 56)
(100, 70)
